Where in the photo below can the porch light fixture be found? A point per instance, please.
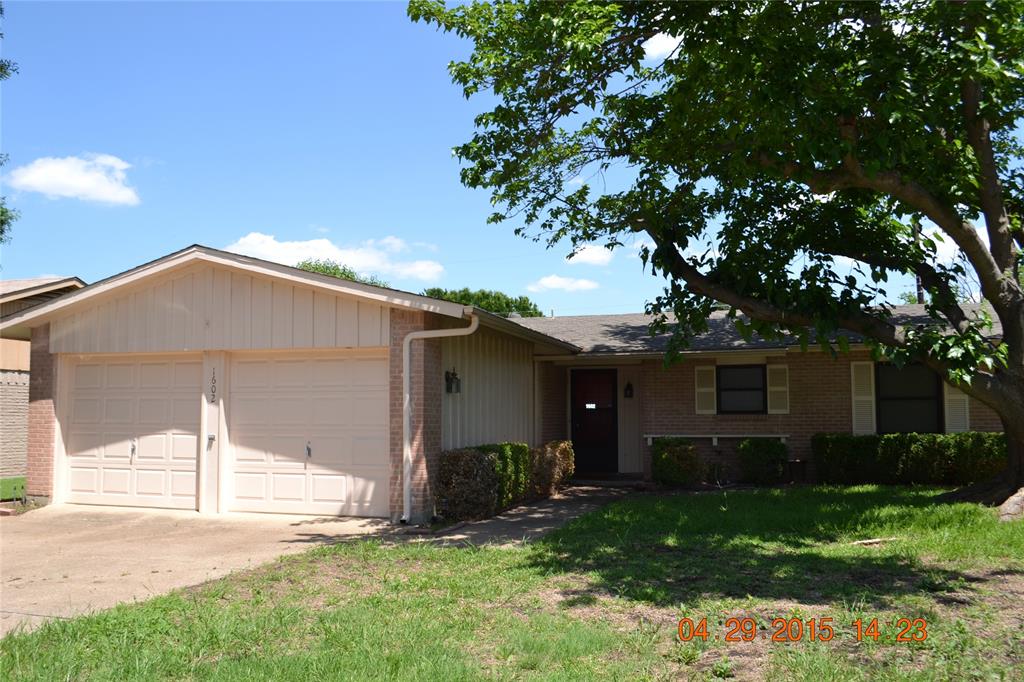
(628, 391)
(452, 382)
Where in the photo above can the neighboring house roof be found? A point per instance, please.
(629, 334)
(14, 289)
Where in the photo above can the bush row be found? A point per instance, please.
(933, 458)
(675, 461)
(477, 482)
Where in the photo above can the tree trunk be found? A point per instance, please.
(1012, 507)
(1006, 490)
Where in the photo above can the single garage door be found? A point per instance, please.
(133, 431)
(309, 434)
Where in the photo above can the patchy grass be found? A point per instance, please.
(599, 599)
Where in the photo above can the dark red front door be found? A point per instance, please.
(595, 434)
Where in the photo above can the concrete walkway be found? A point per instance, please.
(65, 560)
(529, 522)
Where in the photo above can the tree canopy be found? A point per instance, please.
(326, 266)
(7, 214)
(492, 301)
(784, 158)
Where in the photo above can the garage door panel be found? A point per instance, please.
(328, 488)
(294, 373)
(188, 375)
(155, 375)
(152, 446)
(153, 402)
(183, 484)
(115, 481)
(87, 376)
(151, 482)
(117, 446)
(370, 409)
(278, 404)
(184, 447)
(330, 411)
(251, 486)
(84, 480)
(288, 487)
(87, 410)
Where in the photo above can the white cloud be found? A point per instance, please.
(562, 283)
(592, 254)
(374, 256)
(660, 46)
(92, 177)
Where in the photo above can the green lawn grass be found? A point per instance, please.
(12, 488)
(598, 599)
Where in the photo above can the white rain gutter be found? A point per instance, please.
(474, 323)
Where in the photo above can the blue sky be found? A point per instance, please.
(281, 130)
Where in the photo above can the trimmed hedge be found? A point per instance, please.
(762, 460)
(906, 458)
(474, 483)
(675, 462)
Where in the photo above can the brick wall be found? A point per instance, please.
(819, 395)
(427, 386)
(41, 418)
(553, 401)
(13, 422)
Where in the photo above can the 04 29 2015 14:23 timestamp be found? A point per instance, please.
(746, 629)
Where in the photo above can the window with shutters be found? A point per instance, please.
(742, 389)
(908, 399)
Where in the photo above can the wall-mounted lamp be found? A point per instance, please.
(628, 391)
(452, 382)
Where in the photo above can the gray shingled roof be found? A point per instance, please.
(629, 333)
(10, 286)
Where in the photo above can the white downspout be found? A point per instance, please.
(474, 323)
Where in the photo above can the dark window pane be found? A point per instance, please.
(741, 401)
(908, 416)
(741, 377)
(909, 399)
(912, 381)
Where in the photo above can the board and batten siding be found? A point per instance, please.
(216, 308)
(496, 400)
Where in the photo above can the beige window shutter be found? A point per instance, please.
(862, 379)
(957, 409)
(778, 389)
(705, 400)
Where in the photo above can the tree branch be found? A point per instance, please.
(991, 192)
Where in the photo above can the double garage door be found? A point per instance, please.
(308, 434)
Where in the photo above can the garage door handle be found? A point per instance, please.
(309, 450)
(131, 459)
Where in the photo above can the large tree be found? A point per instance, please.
(492, 301)
(326, 266)
(768, 148)
(7, 214)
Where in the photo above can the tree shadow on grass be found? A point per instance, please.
(781, 545)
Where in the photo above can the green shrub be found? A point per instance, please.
(762, 460)
(675, 462)
(513, 469)
(909, 458)
(467, 484)
(477, 482)
(845, 458)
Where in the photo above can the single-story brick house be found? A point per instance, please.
(211, 381)
(16, 295)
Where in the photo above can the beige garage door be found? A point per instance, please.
(133, 431)
(309, 434)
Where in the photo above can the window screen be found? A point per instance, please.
(741, 389)
(908, 400)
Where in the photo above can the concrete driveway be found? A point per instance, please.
(65, 560)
